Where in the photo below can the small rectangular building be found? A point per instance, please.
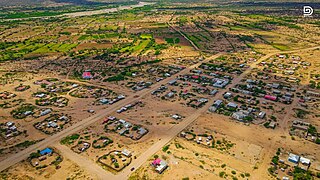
(293, 158)
(46, 151)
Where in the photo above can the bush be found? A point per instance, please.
(312, 130)
(34, 155)
(70, 139)
(118, 77)
(165, 148)
(222, 174)
(116, 165)
(300, 174)
(275, 159)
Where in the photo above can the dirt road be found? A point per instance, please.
(93, 168)
(184, 36)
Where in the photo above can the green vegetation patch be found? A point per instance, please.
(70, 139)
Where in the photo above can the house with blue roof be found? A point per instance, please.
(46, 151)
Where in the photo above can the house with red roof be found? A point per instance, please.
(86, 75)
(269, 97)
(159, 165)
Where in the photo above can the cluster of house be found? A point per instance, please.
(197, 103)
(56, 101)
(269, 91)
(240, 113)
(204, 80)
(7, 95)
(9, 130)
(312, 93)
(235, 68)
(165, 71)
(43, 155)
(159, 165)
(84, 91)
(301, 125)
(115, 157)
(157, 72)
(126, 128)
(52, 122)
(56, 86)
(83, 146)
(285, 65)
(128, 106)
(309, 96)
(160, 90)
(141, 85)
(207, 141)
(111, 101)
(124, 152)
(177, 67)
(304, 127)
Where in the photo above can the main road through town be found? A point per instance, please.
(166, 138)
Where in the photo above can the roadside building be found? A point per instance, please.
(126, 152)
(293, 158)
(305, 161)
(46, 151)
(160, 165)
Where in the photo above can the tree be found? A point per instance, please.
(300, 174)
(312, 130)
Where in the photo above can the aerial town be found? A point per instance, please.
(159, 89)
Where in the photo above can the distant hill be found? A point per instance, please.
(55, 2)
(22, 2)
(88, 2)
